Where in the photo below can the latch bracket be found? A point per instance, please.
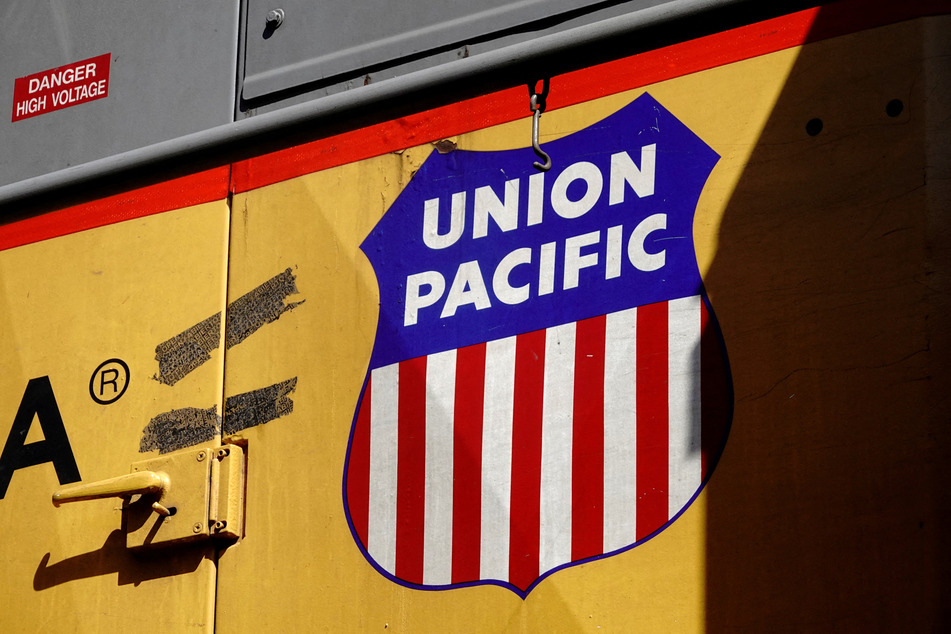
(205, 499)
(187, 496)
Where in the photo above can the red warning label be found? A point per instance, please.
(62, 87)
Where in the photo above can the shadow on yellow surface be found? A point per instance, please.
(114, 557)
(829, 507)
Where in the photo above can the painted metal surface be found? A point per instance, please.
(566, 312)
(314, 44)
(819, 237)
(153, 93)
(810, 254)
(68, 305)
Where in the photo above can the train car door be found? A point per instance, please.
(97, 376)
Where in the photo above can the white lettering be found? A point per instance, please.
(488, 204)
(501, 286)
(564, 206)
(612, 264)
(639, 257)
(415, 300)
(574, 261)
(546, 269)
(536, 197)
(457, 222)
(468, 287)
(624, 171)
(31, 106)
(581, 252)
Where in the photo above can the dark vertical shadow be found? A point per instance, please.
(830, 510)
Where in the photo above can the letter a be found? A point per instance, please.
(38, 402)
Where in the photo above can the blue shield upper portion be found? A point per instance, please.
(481, 246)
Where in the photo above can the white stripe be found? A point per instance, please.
(384, 428)
(554, 546)
(684, 401)
(620, 430)
(437, 531)
(497, 458)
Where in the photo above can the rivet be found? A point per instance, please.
(275, 18)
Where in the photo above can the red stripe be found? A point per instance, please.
(526, 458)
(467, 463)
(587, 459)
(174, 194)
(411, 470)
(358, 470)
(714, 392)
(579, 86)
(652, 418)
(650, 67)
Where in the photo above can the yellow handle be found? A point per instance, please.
(142, 482)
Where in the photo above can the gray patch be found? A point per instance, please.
(190, 426)
(180, 428)
(188, 350)
(258, 407)
(261, 306)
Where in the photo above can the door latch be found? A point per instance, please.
(181, 497)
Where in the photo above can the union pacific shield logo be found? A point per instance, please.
(547, 384)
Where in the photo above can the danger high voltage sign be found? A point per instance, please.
(61, 87)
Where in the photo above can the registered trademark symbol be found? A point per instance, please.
(109, 381)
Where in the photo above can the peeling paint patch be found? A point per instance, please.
(180, 428)
(258, 407)
(445, 146)
(190, 426)
(189, 349)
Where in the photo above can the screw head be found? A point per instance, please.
(197, 527)
(200, 456)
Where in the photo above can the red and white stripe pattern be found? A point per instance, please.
(504, 460)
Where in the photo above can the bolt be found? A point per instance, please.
(275, 18)
(197, 527)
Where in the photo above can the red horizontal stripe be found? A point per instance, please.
(508, 105)
(181, 192)
(579, 86)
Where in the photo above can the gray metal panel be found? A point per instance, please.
(341, 109)
(173, 67)
(319, 40)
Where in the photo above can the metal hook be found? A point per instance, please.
(537, 103)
